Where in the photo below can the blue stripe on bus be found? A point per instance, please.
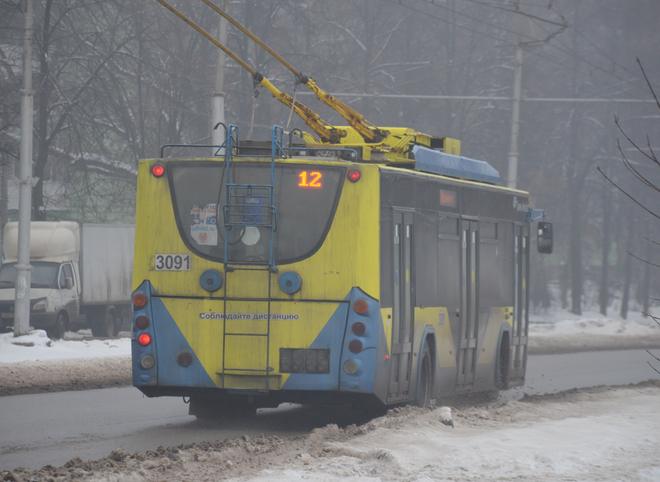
(171, 343)
(330, 338)
(142, 376)
(372, 342)
(336, 336)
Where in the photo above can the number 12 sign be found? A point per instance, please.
(310, 179)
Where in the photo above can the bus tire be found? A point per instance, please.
(424, 388)
(502, 363)
(60, 326)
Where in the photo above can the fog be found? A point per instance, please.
(114, 80)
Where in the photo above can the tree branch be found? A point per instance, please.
(631, 168)
(654, 318)
(643, 260)
(648, 82)
(653, 368)
(655, 215)
(633, 143)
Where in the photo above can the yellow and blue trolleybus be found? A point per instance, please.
(289, 273)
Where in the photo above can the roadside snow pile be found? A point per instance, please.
(614, 435)
(36, 346)
(560, 323)
(561, 331)
(598, 434)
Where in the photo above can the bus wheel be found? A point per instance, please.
(502, 365)
(59, 328)
(424, 388)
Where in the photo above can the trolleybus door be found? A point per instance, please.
(520, 304)
(469, 312)
(402, 309)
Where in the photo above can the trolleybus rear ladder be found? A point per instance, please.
(250, 205)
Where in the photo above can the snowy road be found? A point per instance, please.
(53, 428)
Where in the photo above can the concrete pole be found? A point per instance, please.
(22, 304)
(514, 149)
(218, 106)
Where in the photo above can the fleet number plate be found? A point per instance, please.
(172, 262)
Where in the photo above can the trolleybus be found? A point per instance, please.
(302, 276)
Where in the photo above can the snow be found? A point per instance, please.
(36, 346)
(614, 435)
(562, 323)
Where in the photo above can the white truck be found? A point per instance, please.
(81, 276)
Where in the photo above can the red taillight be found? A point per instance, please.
(158, 170)
(359, 328)
(144, 339)
(355, 346)
(354, 175)
(361, 307)
(139, 300)
(141, 322)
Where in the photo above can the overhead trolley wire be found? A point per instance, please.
(505, 29)
(469, 29)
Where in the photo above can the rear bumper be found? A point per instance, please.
(263, 399)
(203, 371)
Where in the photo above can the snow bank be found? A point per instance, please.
(561, 323)
(610, 436)
(36, 346)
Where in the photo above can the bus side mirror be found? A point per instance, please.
(544, 237)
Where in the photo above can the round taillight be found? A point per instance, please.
(139, 300)
(157, 170)
(351, 367)
(359, 328)
(141, 322)
(147, 362)
(361, 307)
(354, 175)
(355, 346)
(184, 359)
(144, 339)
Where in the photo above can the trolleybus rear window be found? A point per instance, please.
(207, 210)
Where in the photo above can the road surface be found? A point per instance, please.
(52, 428)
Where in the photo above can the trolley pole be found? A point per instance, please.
(22, 303)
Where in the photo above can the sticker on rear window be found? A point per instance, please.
(203, 228)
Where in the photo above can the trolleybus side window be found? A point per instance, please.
(302, 214)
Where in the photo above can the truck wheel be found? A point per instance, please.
(57, 331)
(104, 327)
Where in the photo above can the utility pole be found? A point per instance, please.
(218, 111)
(22, 304)
(514, 149)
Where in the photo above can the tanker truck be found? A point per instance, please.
(80, 276)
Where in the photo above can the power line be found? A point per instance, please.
(516, 11)
(463, 27)
(531, 38)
